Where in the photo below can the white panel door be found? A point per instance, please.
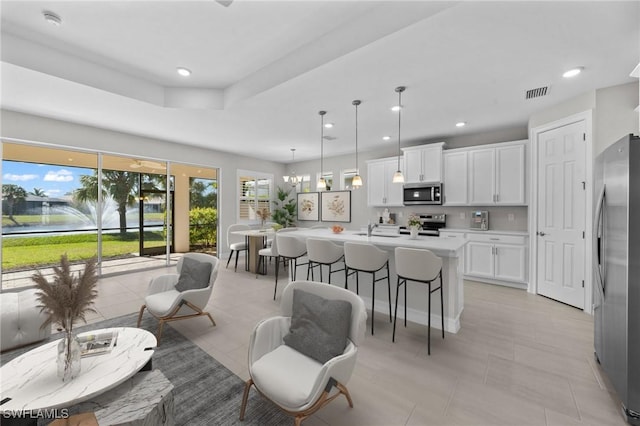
(455, 178)
(479, 259)
(481, 177)
(510, 175)
(561, 214)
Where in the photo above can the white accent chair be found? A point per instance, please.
(365, 257)
(236, 243)
(323, 253)
(167, 304)
(422, 266)
(21, 319)
(296, 383)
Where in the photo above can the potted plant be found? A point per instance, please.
(285, 208)
(66, 300)
(414, 225)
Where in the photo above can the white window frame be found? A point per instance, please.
(255, 175)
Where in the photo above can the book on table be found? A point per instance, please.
(98, 343)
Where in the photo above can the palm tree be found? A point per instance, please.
(121, 186)
(13, 193)
(38, 192)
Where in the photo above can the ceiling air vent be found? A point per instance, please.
(329, 138)
(537, 92)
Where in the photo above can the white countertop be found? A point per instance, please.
(446, 247)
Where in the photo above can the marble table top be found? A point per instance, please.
(31, 381)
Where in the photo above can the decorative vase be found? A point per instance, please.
(413, 232)
(69, 354)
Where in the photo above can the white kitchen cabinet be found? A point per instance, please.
(423, 163)
(496, 257)
(497, 174)
(455, 178)
(381, 191)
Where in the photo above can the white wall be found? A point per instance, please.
(38, 129)
(615, 115)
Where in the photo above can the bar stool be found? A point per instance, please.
(323, 252)
(291, 249)
(364, 257)
(236, 243)
(421, 266)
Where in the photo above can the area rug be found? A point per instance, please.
(205, 391)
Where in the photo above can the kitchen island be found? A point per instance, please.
(449, 249)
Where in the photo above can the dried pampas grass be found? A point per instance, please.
(69, 297)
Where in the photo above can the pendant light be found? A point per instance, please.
(398, 176)
(356, 181)
(322, 184)
(293, 180)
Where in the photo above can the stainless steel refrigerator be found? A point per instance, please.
(616, 287)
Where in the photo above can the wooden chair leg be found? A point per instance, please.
(211, 318)
(245, 398)
(343, 389)
(140, 315)
(160, 327)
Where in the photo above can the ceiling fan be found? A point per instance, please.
(146, 163)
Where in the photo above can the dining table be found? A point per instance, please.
(256, 240)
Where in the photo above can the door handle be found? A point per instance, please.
(542, 234)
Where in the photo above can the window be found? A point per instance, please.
(254, 194)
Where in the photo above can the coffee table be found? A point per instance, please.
(30, 383)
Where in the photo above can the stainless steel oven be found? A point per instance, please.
(422, 193)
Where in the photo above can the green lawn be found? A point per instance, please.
(31, 252)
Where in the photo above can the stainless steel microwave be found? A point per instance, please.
(422, 193)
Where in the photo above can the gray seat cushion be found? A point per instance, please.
(193, 274)
(319, 326)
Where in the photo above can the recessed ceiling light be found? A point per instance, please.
(572, 72)
(461, 123)
(328, 125)
(52, 18)
(183, 71)
(396, 108)
(386, 138)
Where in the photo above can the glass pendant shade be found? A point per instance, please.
(322, 184)
(356, 181)
(398, 177)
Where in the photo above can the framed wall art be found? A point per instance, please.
(336, 206)
(308, 206)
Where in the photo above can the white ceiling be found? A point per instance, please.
(263, 69)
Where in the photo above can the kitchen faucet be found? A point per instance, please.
(370, 227)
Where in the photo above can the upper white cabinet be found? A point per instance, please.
(497, 174)
(455, 178)
(423, 163)
(381, 191)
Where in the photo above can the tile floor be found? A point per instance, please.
(518, 359)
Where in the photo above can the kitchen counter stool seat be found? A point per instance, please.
(323, 253)
(422, 266)
(365, 257)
